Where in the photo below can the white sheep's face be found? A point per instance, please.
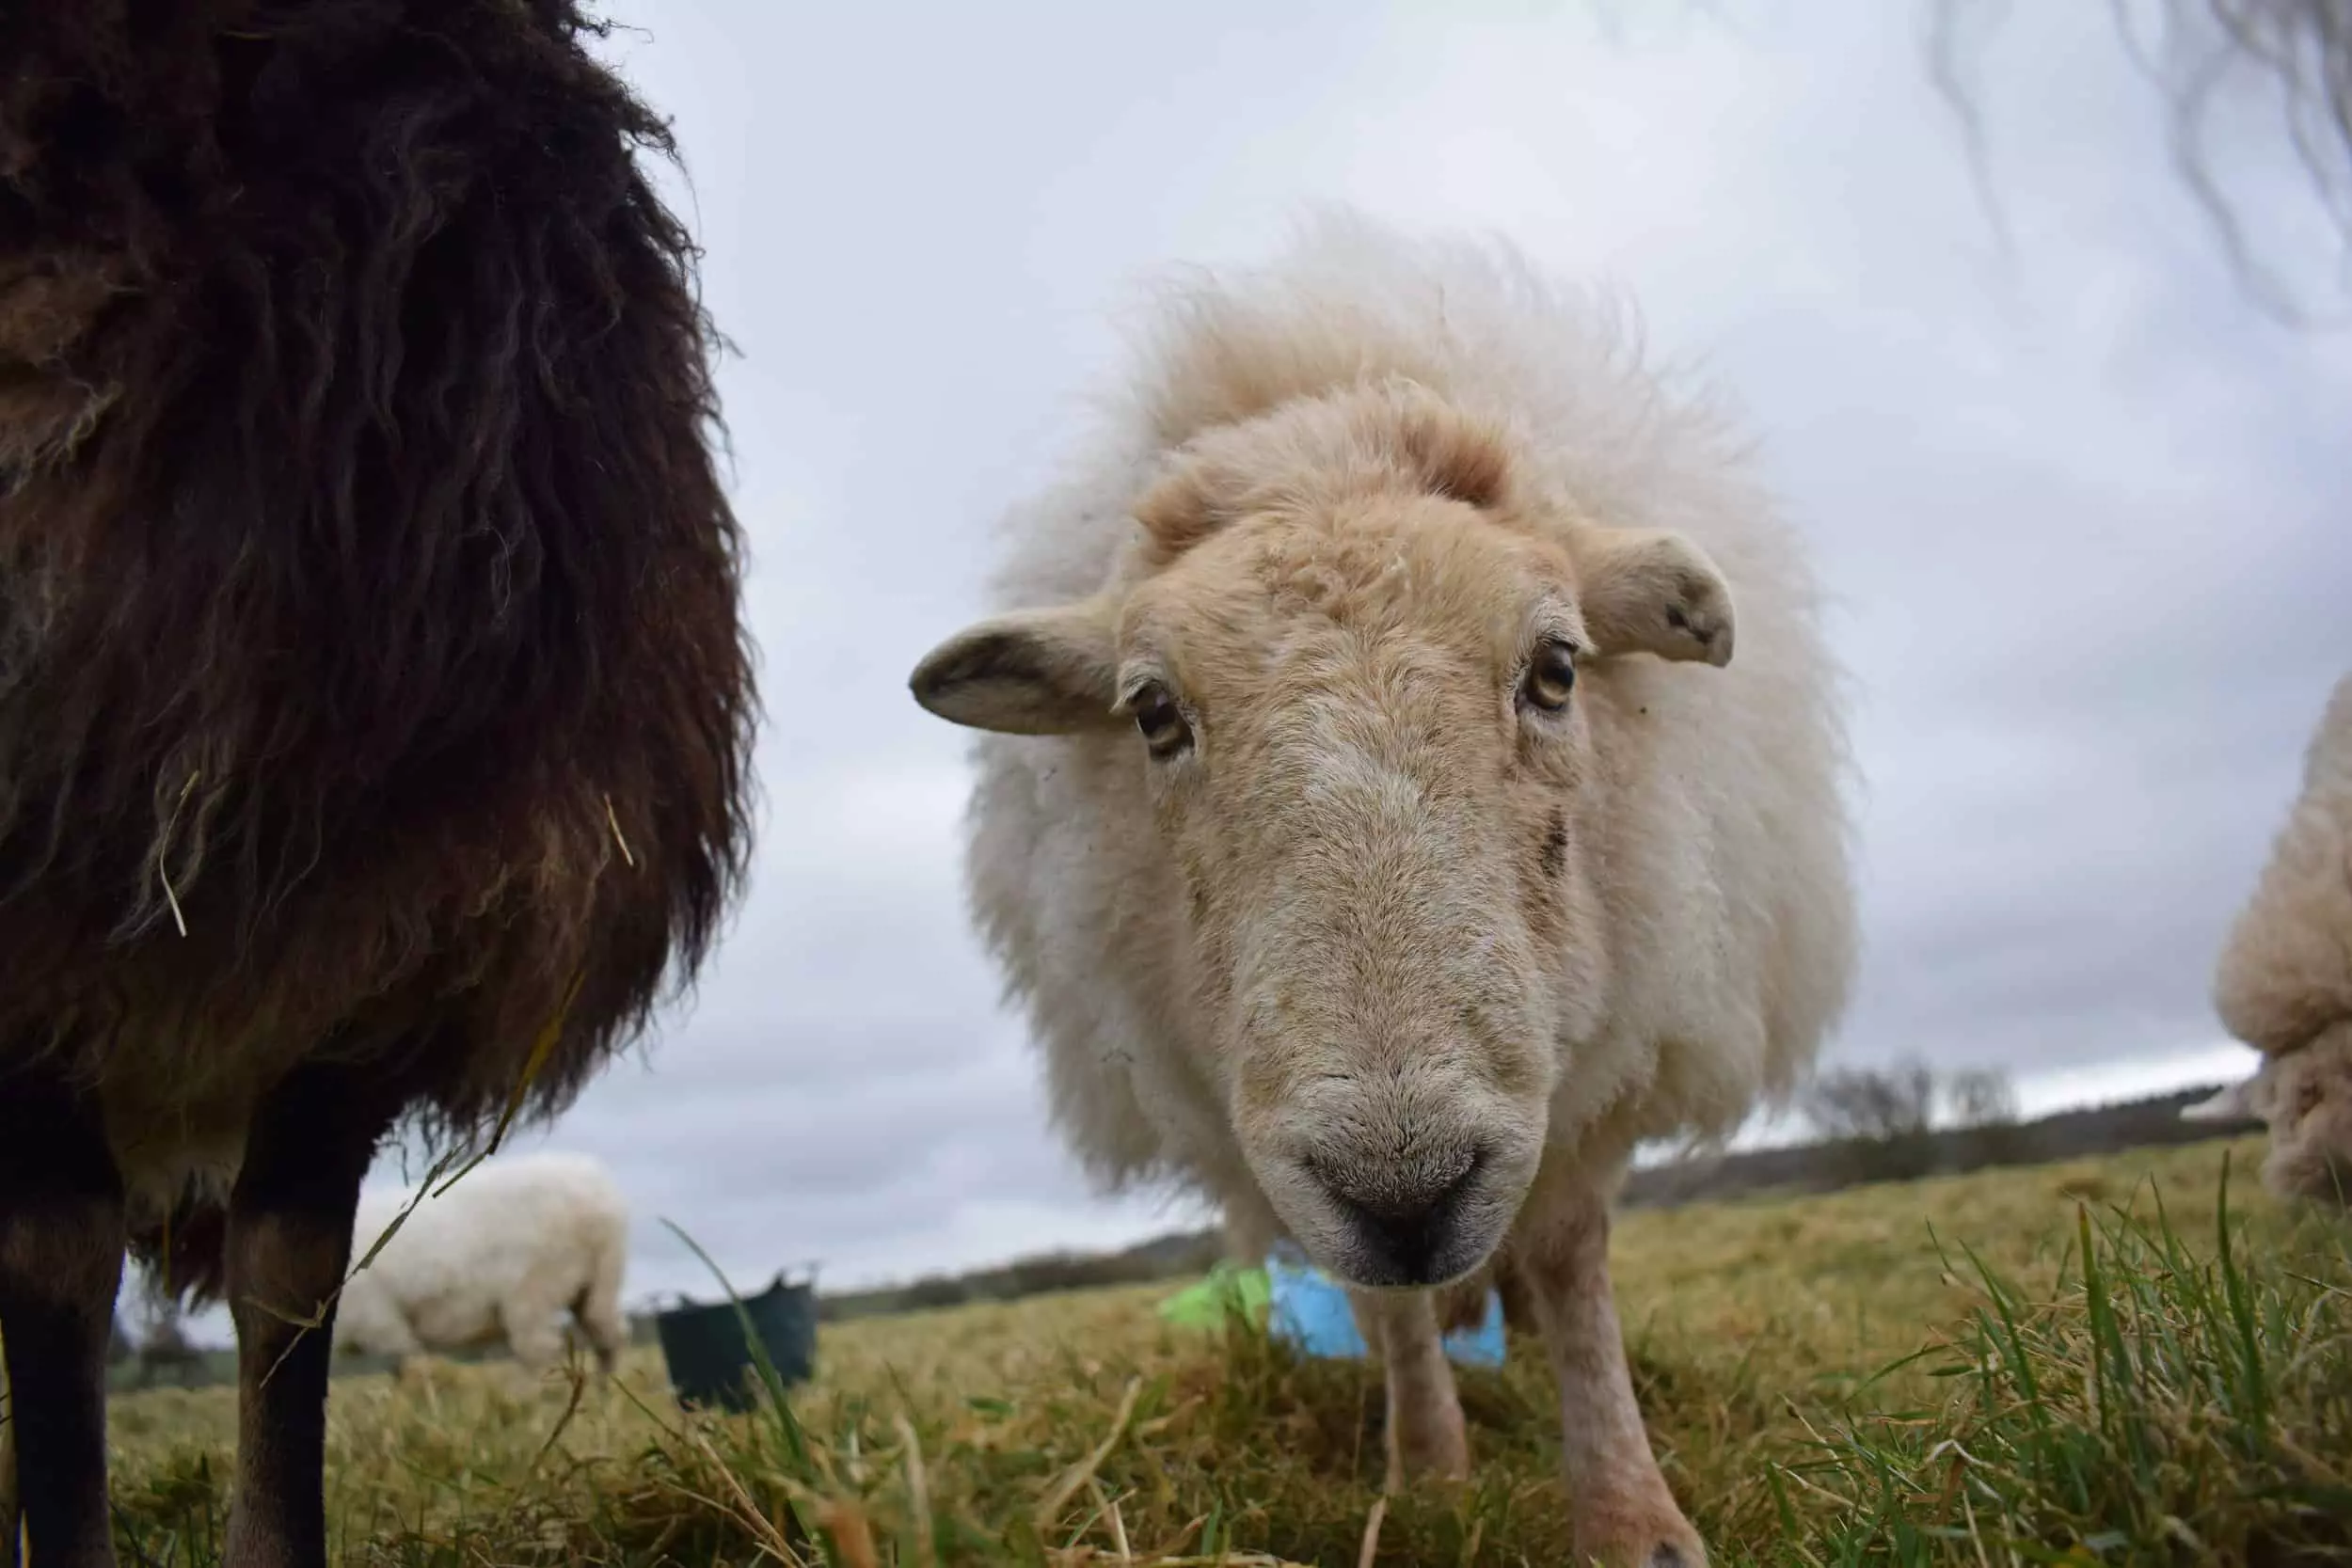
(1358, 725)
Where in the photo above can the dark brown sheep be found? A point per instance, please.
(375, 710)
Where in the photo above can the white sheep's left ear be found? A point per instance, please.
(1653, 590)
(1034, 672)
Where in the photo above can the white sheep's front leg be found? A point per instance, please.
(1625, 1514)
(533, 1336)
(1425, 1434)
(2306, 1098)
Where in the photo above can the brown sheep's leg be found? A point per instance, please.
(1626, 1516)
(62, 1241)
(289, 1243)
(1426, 1432)
(11, 1517)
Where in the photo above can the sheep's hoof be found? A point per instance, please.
(1666, 1554)
(1434, 1446)
(1648, 1540)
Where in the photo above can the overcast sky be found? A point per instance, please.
(2081, 507)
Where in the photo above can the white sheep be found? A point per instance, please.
(1390, 839)
(2283, 983)
(510, 1247)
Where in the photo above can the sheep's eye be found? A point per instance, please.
(1551, 677)
(1160, 722)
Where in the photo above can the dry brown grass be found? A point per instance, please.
(1079, 1427)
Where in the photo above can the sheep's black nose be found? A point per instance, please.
(1404, 1219)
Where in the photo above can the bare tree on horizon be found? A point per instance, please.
(1876, 1105)
(1981, 1098)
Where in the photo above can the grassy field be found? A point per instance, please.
(2059, 1363)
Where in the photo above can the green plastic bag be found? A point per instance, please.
(1226, 1291)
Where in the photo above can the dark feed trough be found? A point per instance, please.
(712, 1361)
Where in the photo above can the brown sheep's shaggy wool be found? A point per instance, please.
(373, 686)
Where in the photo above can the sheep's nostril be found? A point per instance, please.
(1406, 1216)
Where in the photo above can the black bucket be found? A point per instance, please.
(711, 1364)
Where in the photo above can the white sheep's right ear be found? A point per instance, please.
(1034, 672)
(1653, 590)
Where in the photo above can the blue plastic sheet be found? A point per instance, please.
(1307, 1310)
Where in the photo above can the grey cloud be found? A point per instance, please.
(2078, 506)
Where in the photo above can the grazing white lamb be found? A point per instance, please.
(2237, 1102)
(2283, 984)
(1380, 831)
(514, 1244)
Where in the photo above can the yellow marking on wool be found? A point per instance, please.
(615, 822)
(163, 853)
